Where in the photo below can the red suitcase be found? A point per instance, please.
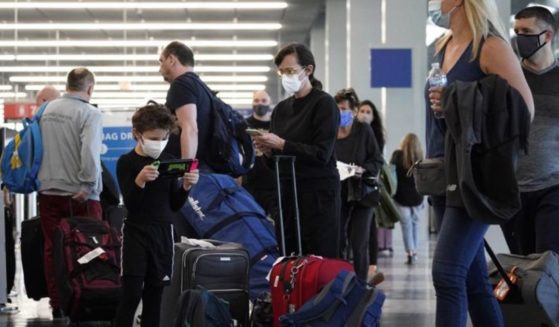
(296, 279)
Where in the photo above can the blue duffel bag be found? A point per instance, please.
(219, 209)
(345, 301)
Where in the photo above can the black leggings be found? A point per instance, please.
(133, 290)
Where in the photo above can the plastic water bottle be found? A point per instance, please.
(437, 78)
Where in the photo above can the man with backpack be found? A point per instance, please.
(189, 102)
(70, 173)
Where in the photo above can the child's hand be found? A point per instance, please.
(148, 174)
(190, 179)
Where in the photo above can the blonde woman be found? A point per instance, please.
(474, 47)
(408, 200)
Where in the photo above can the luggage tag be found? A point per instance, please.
(90, 255)
(502, 289)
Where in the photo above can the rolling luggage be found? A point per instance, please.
(87, 268)
(200, 307)
(532, 281)
(32, 255)
(295, 279)
(222, 269)
(219, 209)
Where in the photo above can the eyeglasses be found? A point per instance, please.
(289, 71)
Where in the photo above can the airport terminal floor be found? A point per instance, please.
(410, 296)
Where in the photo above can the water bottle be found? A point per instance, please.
(437, 78)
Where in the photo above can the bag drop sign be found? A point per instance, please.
(117, 140)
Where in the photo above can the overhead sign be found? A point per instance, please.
(18, 110)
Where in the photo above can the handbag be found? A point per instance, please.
(364, 191)
(429, 176)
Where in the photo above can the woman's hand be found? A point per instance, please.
(148, 174)
(359, 171)
(435, 96)
(269, 141)
(189, 179)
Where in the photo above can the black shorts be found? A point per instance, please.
(147, 251)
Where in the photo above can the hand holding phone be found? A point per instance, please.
(176, 168)
(254, 131)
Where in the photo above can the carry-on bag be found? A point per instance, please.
(295, 279)
(527, 287)
(200, 307)
(87, 268)
(221, 268)
(32, 254)
(345, 301)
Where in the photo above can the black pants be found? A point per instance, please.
(320, 220)
(9, 220)
(357, 222)
(535, 228)
(134, 290)
(373, 241)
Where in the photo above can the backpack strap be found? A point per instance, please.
(40, 111)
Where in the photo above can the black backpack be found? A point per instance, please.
(201, 308)
(231, 150)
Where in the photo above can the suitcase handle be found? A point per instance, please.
(500, 268)
(291, 159)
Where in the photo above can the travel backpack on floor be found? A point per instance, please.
(86, 261)
(219, 209)
(231, 150)
(21, 159)
(345, 301)
(200, 308)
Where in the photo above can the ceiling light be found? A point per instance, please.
(159, 95)
(5, 87)
(131, 57)
(131, 69)
(139, 26)
(136, 102)
(155, 87)
(81, 43)
(137, 79)
(13, 95)
(144, 5)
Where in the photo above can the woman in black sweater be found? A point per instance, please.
(356, 144)
(305, 125)
(408, 200)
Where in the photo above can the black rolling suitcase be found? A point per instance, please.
(222, 270)
(32, 259)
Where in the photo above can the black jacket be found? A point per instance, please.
(488, 123)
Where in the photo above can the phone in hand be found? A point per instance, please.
(176, 168)
(254, 131)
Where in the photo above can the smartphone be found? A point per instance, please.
(176, 168)
(254, 131)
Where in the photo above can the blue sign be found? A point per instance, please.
(391, 67)
(116, 142)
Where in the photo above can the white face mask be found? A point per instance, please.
(291, 83)
(365, 118)
(153, 148)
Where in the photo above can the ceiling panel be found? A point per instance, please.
(296, 21)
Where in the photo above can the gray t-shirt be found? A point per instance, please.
(540, 168)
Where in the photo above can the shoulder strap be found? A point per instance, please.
(40, 111)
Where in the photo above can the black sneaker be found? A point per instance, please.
(57, 313)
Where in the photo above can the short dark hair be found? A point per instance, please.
(541, 14)
(79, 79)
(153, 116)
(304, 58)
(349, 95)
(183, 53)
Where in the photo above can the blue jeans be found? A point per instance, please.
(460, 273)
(409, 220)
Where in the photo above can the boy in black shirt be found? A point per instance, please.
(147, 251)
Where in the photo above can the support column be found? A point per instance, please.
(335, 55)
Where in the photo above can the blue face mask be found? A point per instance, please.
(346, 117)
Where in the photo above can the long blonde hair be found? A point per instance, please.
(483, 20)
(411, 149)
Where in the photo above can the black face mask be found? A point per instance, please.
(529, 44)
(261, 109)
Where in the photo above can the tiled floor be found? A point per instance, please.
(409, 292)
